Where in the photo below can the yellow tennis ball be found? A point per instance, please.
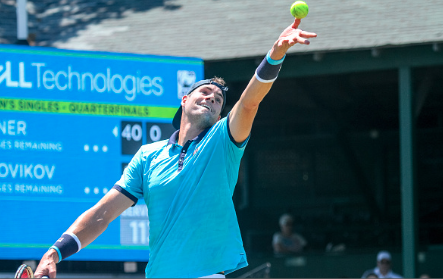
(299, 9)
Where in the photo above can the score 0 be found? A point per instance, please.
(158, 131)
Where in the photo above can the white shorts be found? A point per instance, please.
(217, 275)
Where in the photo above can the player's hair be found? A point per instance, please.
(219, 80)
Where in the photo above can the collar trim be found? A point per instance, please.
(174, 137)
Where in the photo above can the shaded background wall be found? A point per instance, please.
(326, 150)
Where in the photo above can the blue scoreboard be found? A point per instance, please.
(70, 122)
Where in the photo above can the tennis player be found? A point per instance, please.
(187, 181)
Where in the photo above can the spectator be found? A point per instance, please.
(383, 269)
(286, 242)
(31, 39)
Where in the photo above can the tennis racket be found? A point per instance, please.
(25, 271)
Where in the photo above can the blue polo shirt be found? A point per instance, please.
(188, 191)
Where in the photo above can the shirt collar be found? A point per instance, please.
(174, 137)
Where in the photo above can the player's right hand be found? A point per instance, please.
(47, 265)
(291, 36)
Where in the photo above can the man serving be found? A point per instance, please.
(187, 182)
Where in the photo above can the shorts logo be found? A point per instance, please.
(185, 79)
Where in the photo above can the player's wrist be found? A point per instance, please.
(67, 245)
(277, 54)
(273, 60)
(53, 255)
(269, 68)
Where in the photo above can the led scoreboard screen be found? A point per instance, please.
(70, 121)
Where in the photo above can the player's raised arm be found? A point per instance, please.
(244, 111)
(83, 231)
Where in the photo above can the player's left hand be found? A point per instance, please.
(46, 267)
(291, 36)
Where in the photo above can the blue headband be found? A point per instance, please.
(178, 115)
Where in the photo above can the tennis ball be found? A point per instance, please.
(299, 9)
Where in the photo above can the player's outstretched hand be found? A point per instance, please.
(46, 266)
(291, 36)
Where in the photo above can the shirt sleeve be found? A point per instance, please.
(302, 240)
(132, 178)
(240, 145)
(276, 238)
(367, 272)
(233, 152)
(234, 149)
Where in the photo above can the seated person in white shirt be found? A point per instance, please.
(383, 269)
(286, 242)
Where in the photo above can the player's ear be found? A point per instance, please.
(184, 99)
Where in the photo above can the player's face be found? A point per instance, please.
(203, 106)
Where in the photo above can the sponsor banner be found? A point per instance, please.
(43, 73)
